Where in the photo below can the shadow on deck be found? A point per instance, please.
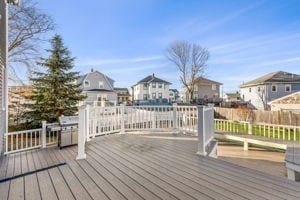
(133, 166)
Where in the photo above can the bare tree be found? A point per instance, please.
(190, 60)
(261, 93)
(27, 27)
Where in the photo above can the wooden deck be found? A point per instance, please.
(154, 166)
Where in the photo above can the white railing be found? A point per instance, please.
(272, 131)
(30, 139)
(95, 121)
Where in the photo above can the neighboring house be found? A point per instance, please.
(206, 91)
(151, 90)
(98, 88)
(174, 95)
(269, 87)
(289, 102)
(123, 95)
(232, 97)
(17, 97)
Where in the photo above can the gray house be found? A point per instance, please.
(98, 88)
(258, 92)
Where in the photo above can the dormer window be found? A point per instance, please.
(153, 85)
(101, 85)
(274, 88)
(86, 84)
(159, 85)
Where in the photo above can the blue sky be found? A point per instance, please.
(127, 39)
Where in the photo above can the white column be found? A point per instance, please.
(87, 118)
(122, 110)
(250, 127)
(201, 131)
(81, 133)
(44, 132)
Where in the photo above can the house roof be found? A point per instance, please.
(274, 77)
(98, 90)
(293, 98)
(82, 78)
(119, 89)
(174, 90)
(233, 95)
(152, 78)
(203, 80)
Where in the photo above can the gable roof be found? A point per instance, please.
(174, 90)
(233, 95)
(274, 77)
(293, 98)
(207, 81)
(152, 78)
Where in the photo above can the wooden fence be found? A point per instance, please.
(259, 116)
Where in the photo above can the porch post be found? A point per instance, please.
(44, 132)
(122, 110)
(201, 131)
(87, 118)
(174, 116)
(81, 133)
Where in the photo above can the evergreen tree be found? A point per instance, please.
(55, 91)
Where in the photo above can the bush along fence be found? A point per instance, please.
(272, 131)
(95, 121)
(31, 139)
(258, 116)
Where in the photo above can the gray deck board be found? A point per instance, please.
(136, 167)
(237, 182)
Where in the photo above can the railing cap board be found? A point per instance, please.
(24, 131)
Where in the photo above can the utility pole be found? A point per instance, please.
(4, 68)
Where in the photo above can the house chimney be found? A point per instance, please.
(153, 75)
(92, 70)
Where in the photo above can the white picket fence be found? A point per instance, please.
(272, 131)
(95, 121)
(30, 139)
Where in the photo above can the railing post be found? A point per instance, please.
(175, 116)
(82, 123)
(122, 110)
(201, 131)
(250, 127)
(153, 121)
(87, 118)
(44, 132)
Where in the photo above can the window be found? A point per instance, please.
(153, 95)
(159, 85)
(250, 89)
(171, 94)
(274, 88)
(145, 96)
(153, 85)
(101, 85)
(214, 87)
(160, 95)
(86, 83)
(258, 89)
(145, 86)
(287, 88)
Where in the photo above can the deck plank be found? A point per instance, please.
(236, 182)
(74, 184)
(16, 191)
(228, 168)
(24, 162)
(62, 190)
(46, 187)
(32, 190)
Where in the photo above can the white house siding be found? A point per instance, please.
(2, 112)
(139, 91)
(254, 97)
